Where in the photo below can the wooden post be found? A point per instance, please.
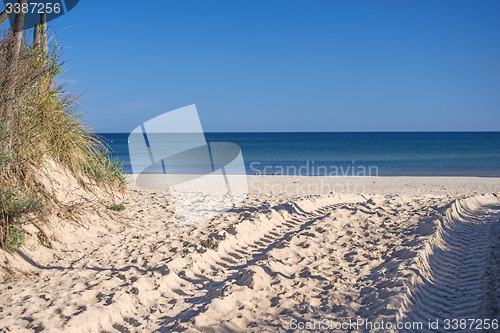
(36, 36)
(13, 57)
(43, 32)
(4, 16)
(40, 34)
(17, 31)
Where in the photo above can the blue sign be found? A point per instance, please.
(33, 8)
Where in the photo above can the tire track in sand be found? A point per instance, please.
(216, 269)
(455, 278)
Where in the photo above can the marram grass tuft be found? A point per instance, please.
(39, 122)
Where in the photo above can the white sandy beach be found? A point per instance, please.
(291, 255)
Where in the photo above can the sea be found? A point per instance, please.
(354, 153)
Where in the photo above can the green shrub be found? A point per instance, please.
(19, 205)
(15, 238)
(117, 207)
(14, 206)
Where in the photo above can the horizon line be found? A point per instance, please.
(443, 131)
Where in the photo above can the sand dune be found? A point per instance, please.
(276, 262)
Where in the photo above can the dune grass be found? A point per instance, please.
(43, 124)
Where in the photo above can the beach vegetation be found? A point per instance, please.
(40, 124)
(15, 238)
(117, 207)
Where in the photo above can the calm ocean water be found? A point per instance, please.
(369, 153)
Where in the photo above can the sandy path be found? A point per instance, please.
(271, 263)
(348, 261)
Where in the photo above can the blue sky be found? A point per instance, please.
(286, 65)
